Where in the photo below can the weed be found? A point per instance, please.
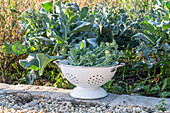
(161, 106)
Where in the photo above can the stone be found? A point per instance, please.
(69, 104)
(49, 101)
(10, 105)
(24, 111)
(33, 103)
(104, 108)
(98, 109)
(20, 104)
(58, 100)
(138, 109)
(72, 108)
(76, 110)
(138, 101)
(92, 109)
(124, 110)
(112, 107)
(2, 104)
(142, 112)
(117, 110)
(13, 110)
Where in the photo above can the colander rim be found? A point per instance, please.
(110, 66)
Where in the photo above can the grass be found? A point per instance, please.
(9, 11)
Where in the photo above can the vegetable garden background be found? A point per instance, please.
(33, 28)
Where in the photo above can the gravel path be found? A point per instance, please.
(10, 103)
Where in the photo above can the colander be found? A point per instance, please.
(87, 79)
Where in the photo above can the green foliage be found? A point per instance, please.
(84, 12)
(30, 63)
(47, 6)
(168, 4)
(63, 30)
(116, 23)
(103, 55)
(14, 48)
(154, 49)
(61, 82)
(161, 106)
(44, 60)
(53, 33)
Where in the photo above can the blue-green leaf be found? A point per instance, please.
(42, 39)
(166, 46)
(15, 48)
(59, 40)
(44, 60)
(32, 75)
(85, 26)
(62, 14)
(165, 83)
(47, 6)
(149, 27)
(84, 12)
(168, 4)
(91, 18)
(165, 25)
(30, 63)
(18, 49)
(145, 37)
(73, 18)
(83, 44)
(7, 48)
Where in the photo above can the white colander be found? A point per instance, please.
(87, 79)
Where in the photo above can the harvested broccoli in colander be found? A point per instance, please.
(104, 55)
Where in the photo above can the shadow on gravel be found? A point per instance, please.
(27, 93)
(28, 96)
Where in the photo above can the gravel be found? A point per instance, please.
(11, 103)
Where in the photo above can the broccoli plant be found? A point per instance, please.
(51, 32)
(106, 54)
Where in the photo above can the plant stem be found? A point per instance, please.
(3, 73)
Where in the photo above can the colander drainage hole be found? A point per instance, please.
(72, 78)
(95, 80)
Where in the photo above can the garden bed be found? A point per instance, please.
(140, 32)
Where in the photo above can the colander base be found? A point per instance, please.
(88, 93)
